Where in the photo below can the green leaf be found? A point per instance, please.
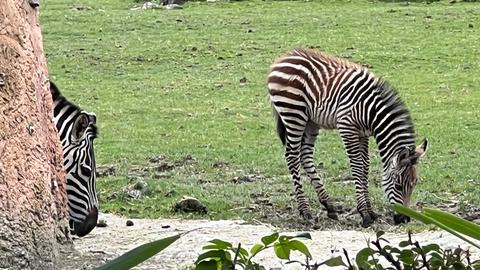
(255, 249)
(431, 247)
(362, 257)
(139, 254)
(226, 265)
(254, 266)
(282, 250)
(242, 252)
(436, 263)
(412, 213)
(284, 239)
(456, 223)
(297, 245)
(416, 250)
(221, 244)
(395, 250)
(207, 265)
(210, 247)
(427, 220)
(221, 255)
(267, 240)
(407, 257)
(335, 261)
(405, 243)
(436, 255)
(380, 233)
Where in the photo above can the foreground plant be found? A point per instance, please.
(446, 221)
(139, 254)
(410, 254)
(378, 255)
(223, 255)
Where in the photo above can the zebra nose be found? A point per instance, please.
(83, 228)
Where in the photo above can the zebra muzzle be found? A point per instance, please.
(83, 228)
(400, 218)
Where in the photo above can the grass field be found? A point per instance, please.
(189, 85)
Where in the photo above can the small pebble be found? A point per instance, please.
(102, 223)
(129, 223)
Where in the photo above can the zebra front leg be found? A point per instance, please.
(292, 156)
(308, 146)
(357, 152)
(363, 151)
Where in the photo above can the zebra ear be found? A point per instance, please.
(421, 150)
(407, 156)
(404, 157)
(80, 126)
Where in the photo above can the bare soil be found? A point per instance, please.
(109, 242)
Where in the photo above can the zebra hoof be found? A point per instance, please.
(373, 215)
(306, 215)
(367, 220)
(332, 215)
(400, 218)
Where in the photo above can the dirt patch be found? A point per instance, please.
(106, 170)
(137, 190)
(157, 167)
(249, 178)
(117, 238)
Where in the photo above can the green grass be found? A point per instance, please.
(168, 83)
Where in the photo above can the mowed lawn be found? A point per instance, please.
(189, 85)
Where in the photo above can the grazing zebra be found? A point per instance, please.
(310, 90)
(77, 130)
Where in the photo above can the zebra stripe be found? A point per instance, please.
(77, 130)
(310, 90)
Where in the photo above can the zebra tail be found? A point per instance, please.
(281, 130)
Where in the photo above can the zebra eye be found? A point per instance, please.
(85, 171)
(398, 186)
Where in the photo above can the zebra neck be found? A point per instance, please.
(392, 125)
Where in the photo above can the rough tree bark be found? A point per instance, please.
(33, 209)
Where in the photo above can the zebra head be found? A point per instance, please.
(77, 130)
(401, 178)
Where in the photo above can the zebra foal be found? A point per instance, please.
(77, 129)
(309, 91)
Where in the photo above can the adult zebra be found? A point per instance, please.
(311, 90)
(77, 130)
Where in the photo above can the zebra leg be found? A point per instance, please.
(307, 149)
(292, 156)
(363, 150)
(356, 154)
(291, 123)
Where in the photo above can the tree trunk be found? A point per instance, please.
(33, 209)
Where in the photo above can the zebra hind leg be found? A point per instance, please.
(307, 149)
(291, 138)
(292, 156)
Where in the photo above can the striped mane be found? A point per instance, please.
(62, 103)
(397, 110)
(323, 58)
